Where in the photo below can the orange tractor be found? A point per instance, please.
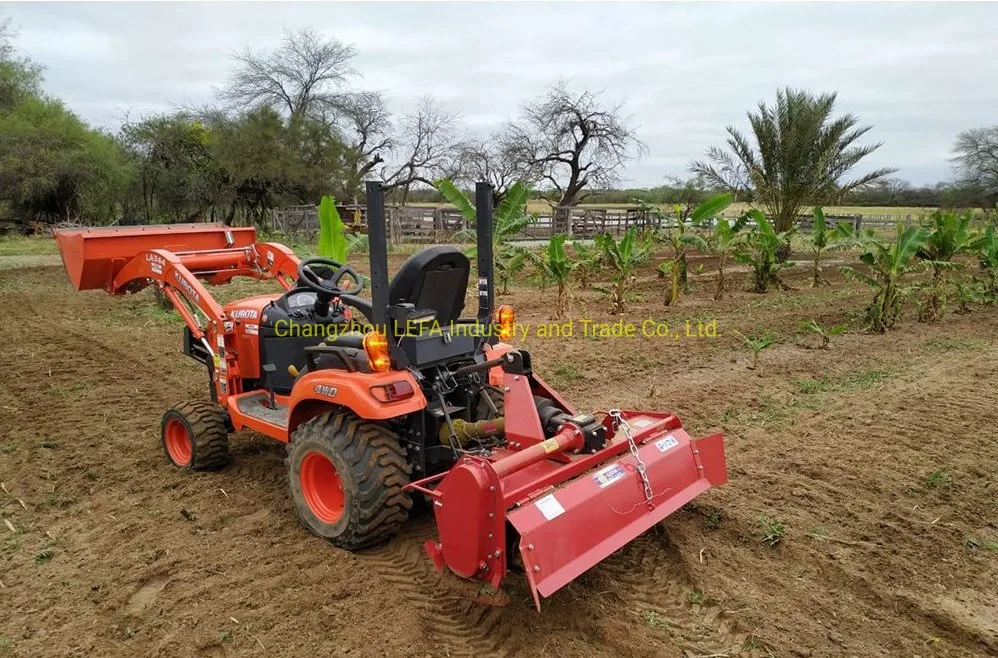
(381, 399)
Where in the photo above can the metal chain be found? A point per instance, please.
(642, 469)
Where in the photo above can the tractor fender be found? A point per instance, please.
(494, 352)
(316, 392)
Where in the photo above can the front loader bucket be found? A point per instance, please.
(93, 256)
(575, 526)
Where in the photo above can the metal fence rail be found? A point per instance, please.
(434, 224)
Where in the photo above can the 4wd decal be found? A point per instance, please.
(325, 389)
(187, 287)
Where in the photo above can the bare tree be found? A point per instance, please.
(495, 160)
(6, 37)
(364, 124)
(428, 148)
(893, 188)
(302, 77)
(976, 162)
(574, 140)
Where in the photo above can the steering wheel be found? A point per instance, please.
(329, 285)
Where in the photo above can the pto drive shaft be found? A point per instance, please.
(465, 431)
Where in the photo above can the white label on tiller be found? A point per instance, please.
(641, 422)
(666, 443)
(608, 475)
(550, 507)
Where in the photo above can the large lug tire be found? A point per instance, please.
(194, 436)
(483, 411)
(346, 476)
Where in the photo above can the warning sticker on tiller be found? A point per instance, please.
(608, 475)
(550, 507)
(666, 443)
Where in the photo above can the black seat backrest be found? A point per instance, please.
(435, 278)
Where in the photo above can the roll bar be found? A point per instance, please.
(377, 237)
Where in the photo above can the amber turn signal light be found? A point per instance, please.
(505, 317)
(376, 346)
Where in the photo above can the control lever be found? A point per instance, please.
(270, 368)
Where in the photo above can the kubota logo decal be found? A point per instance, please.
(325, 389)
(187, 287)
(244, 314)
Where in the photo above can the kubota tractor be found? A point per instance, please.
(400, 395)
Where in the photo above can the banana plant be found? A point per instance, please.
(675, 267)
(723, 240)
(556, 266)
(760, 251)
(508, 220)
(333, 244)
(950, 236)
(826, 239)
(888, 265)
(589, 261)
(623, 257)
(987, 252)
(757, 344)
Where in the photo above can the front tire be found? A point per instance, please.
(346, 476)
(194, 436)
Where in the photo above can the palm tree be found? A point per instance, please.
(800, 157)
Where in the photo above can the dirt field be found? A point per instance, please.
(877, 456)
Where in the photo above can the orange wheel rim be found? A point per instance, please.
(322, 488)
(178, 442)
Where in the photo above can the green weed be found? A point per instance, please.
(772, 531)
(939, 480)
(655, 620)
(44, 555)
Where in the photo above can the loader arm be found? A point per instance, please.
(126, 260)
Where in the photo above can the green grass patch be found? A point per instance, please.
(862, 380)
(18, 245)
(856, 381)
(71, 389)
(565, 373)
(977, 544)
(949, 344)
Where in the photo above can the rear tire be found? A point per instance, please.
(484, 410)
(346, 476)
(194, 436)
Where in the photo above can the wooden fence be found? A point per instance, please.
(436, 224)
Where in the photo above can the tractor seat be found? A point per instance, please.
(434, 279)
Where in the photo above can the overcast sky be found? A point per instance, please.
(919, 72)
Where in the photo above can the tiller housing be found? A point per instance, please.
(381, 399)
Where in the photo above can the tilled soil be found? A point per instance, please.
(876, 457)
